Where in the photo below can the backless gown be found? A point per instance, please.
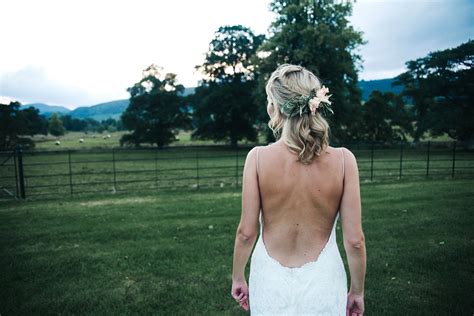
(316, 288)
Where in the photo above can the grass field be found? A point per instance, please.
(157, 253)
(100, 140)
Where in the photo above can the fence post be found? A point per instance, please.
(197, 169)
(236, 167)
(428, 159)
(113, 164)
(16, 173)
(156, 168)
(454, 158)
(401, 160)
(21, 176)
(372, 162)
(70, 170)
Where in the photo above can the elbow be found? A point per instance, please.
(355, 242)
(246, 235)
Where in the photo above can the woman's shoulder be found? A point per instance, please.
(330, 149)
(349, 159)
(345, 150)
(254, 151)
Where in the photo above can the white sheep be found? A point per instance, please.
(81, 140)
(58, 143)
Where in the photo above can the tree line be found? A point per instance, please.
(229, 104)
(18, 125)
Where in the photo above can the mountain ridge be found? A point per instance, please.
(114, 109)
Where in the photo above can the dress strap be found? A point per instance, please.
(257, 159)
(259, 194)
(342, 149)
(343, 178)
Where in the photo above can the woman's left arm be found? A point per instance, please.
(247, 230)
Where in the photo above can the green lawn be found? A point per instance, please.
(100, 140)
(156, 253)
(70, 140)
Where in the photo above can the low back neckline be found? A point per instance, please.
(330, 240)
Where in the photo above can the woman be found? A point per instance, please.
(302, 186)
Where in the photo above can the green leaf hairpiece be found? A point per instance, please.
(316, 100)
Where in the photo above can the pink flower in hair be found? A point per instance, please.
(321, 96)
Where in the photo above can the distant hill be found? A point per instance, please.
(114, 109)
(46, 109)
(102, 111)
(383, 85)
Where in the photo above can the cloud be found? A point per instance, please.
(81, 44)
(399, 31)
(31, 84)
(60, 58)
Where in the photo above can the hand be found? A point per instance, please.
(355, 304)
(240, 292)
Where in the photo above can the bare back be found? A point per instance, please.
(299, 202)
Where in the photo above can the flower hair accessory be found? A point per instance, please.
(316, 100)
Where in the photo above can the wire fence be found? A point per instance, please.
(35, 174)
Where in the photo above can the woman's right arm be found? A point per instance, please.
(351, 219)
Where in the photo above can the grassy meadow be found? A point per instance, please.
(101, 140)
(170, 252)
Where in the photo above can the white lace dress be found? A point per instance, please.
(316, 288)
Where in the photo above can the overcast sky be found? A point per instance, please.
(76, 53)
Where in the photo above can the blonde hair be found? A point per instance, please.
(306, 135)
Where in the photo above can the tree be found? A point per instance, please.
(156, 111)
(15, 123)
(441, 86)
(385, 118)
(33, 121)
(55, 126)
(223, 105)
(401, 117)
(92, 125)
(317, 35)
(109, 125)
(73, 124)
